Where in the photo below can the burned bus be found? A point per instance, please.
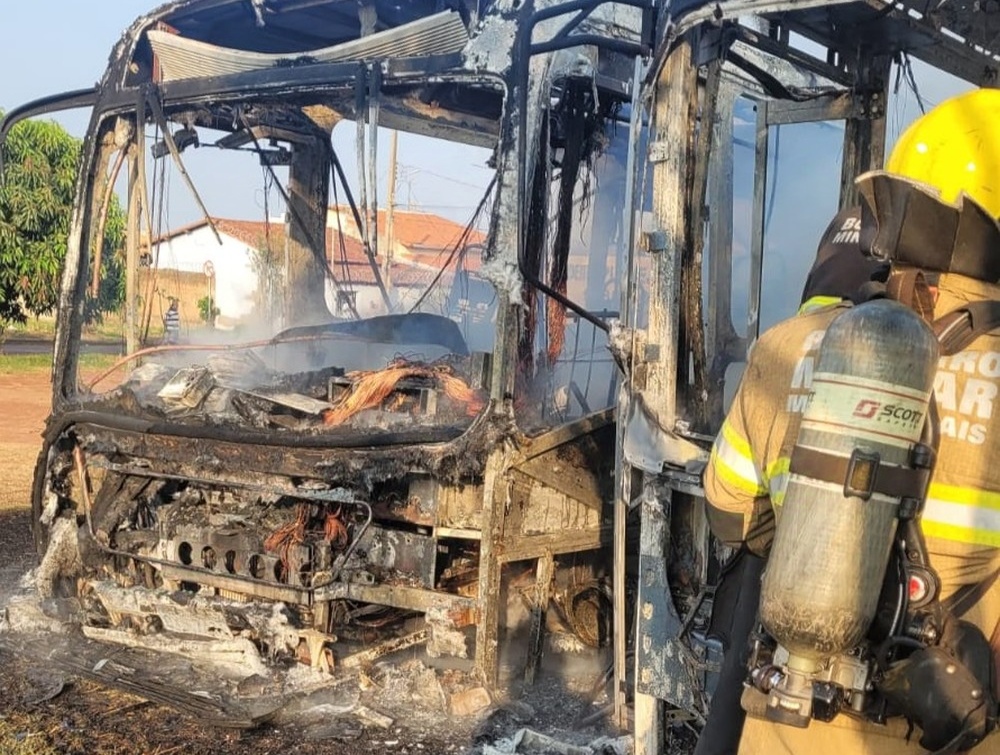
(378, 441)
(382, 454)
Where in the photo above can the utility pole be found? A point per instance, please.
(132, 230)
(305, 243)
(390, 209)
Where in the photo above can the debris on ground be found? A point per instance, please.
(529, 742)
(70, 693)
(469, 701)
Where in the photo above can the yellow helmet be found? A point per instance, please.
(955, 148)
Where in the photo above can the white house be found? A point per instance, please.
(231, 270)
(228, 267)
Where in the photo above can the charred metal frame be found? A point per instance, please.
(690, 64)
(511, 469)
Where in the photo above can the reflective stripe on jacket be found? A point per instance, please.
(961, 520)
(732, 461)
(964, 515)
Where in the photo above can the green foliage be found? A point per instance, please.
(36, 200)
(111, 291)
(207, 310)
(27, 364)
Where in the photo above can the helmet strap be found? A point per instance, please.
(910, 286)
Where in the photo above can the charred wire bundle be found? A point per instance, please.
(370, 389)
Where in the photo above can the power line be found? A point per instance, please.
(415, 170)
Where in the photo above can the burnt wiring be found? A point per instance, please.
(577, 129)
(370, 163)
(529, 251)
(341, 244)
(530, 255)
(282, 540)
(370, 389)
(904, 72)
(265, 260)
(268, 185)
(360, 94)
(289, 535)
(773, 86)
(160, 119)
(459, 248)
(158, 200)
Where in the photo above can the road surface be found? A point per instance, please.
(44, 346)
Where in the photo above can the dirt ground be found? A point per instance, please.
(24, 404)
(44, 712)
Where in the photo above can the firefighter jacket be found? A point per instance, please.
(748, 471)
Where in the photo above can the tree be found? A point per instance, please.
(36, 200)
(207, 310)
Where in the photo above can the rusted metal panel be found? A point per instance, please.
(393, 555)
(459, 507)
(398, 596)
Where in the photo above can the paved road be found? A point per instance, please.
(40, 346)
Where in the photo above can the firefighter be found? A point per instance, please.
(839, 272)
(933, 213)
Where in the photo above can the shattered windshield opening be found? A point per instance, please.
(313, 280)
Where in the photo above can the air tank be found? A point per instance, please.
(871, 387)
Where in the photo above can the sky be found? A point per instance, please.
(51, 46)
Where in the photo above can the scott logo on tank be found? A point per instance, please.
(868, 409)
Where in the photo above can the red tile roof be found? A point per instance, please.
(423, 231)
(346, 255)
(428, 237)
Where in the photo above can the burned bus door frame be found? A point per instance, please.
(623, 473)
(657, 620)
(524, 105)
(666, 670)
